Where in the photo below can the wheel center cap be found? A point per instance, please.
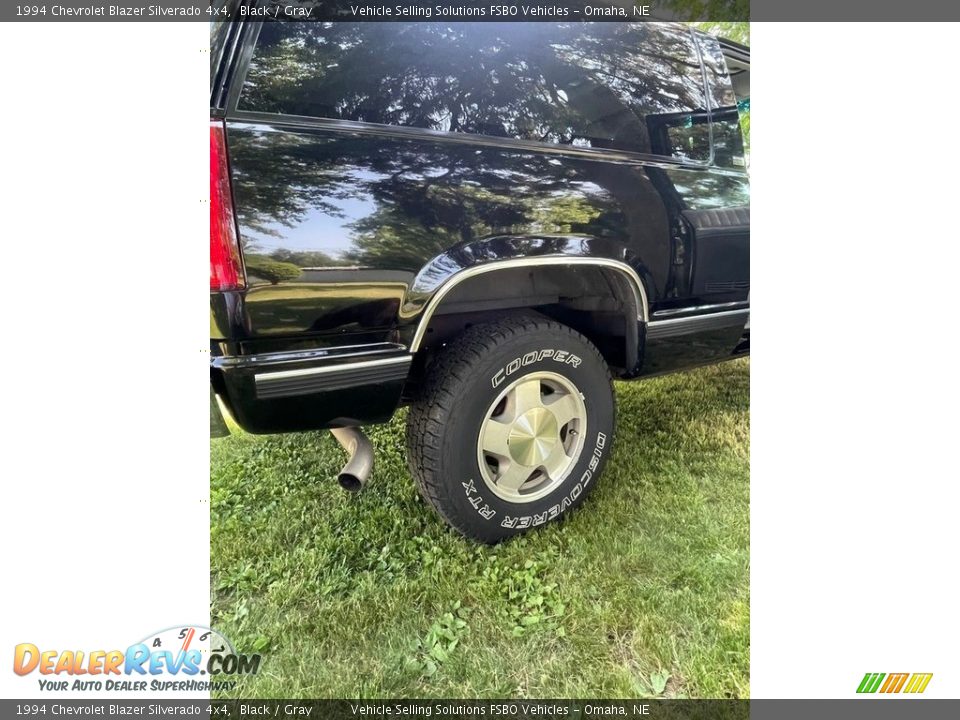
(533, 437)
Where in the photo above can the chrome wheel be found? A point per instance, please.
(531, 436)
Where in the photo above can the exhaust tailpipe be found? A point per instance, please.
(358, 468)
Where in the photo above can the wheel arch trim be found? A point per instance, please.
(641, 302)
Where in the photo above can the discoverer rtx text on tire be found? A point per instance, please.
(513, 426)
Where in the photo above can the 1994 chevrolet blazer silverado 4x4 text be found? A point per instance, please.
(486, 222)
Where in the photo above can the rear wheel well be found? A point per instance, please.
(597, 302)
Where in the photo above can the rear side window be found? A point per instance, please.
(607, 85)
(727, 136)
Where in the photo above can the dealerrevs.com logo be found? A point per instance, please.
(910, 683)
(183, 659)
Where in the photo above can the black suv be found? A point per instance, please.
(486, 222)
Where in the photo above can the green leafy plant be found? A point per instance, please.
(529, 602)
(434, 649)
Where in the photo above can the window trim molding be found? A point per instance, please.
(280, 123)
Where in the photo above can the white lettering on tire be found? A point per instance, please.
(561, 356)
(475, 499)
(525, 521)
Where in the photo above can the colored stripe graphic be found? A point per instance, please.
(915, 683)
(870, 682)
(894, 682)
(918, 682)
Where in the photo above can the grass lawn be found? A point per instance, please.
(643, 592)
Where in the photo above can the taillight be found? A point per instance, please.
(226, 270)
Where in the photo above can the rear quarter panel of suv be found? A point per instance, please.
(372, 220)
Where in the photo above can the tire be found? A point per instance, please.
(523, 393)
